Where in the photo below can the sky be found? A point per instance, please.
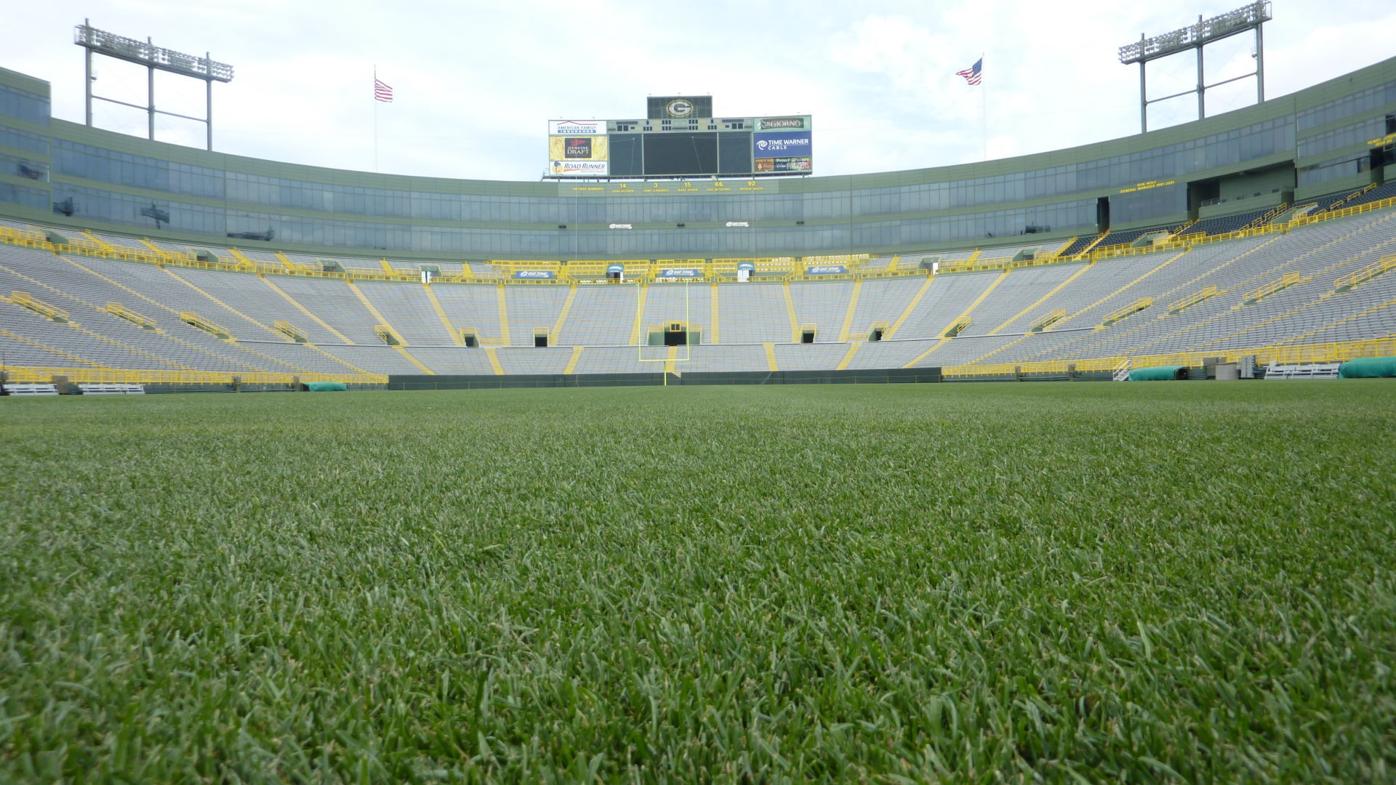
(475, 82)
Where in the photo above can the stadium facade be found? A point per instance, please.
(1317, 141)
(1265, 238)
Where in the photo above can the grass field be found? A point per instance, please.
(962, 583)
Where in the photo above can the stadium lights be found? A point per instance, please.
(154, 58)
(1196, 36)
(1192, 36)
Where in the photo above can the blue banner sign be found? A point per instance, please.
(827, 269)
(680, 272)
(535, 275)
(781, 144)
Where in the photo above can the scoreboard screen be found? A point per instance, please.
(676, 144)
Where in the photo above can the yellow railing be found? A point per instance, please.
(1267, 216)
(122, 312)
(1283, 282)
(1047, 320)
(956, 327)
(290, 331)
(1177, 243)
(1365, 274)
(153, 376)
(775, 269)
(387, 335)
(1120, 313)
(1364, 189)
(207, 325)
(1196, 297)
(29, 301)
(1337, 351)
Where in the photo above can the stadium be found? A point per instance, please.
(438, 575)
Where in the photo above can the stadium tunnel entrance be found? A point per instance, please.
(675, 334)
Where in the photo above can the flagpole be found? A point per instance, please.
(983, 112)
(375, 117)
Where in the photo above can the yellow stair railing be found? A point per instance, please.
(1047, 320)
(1126, 311)
(1359, 192)
(1280, 284)
(199, 322)
(1196, 297)
(140, 320)
(32, 303)
(291, 331)
(1359, 277)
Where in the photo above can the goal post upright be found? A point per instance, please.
(644, 338)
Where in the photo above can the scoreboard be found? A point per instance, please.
(680, 138)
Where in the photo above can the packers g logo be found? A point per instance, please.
(679, 107)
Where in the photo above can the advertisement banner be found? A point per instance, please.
(781, 144)
(578, 148)
(781, 124)
(535, 275)
(783, 165)
(579, 168)
(680, 272)
(827, 269)
(576, 128)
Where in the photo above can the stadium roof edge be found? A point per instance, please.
(1375, 73)
(25, 82)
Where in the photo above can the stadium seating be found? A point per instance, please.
(1226, 223)
(1306, 281)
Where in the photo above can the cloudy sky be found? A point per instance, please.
(476, 82)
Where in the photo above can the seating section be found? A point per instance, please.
(530, 308)
(408, 311)
(1226, 223)
(822, 304)
(1383, 191)
(753, 313)
(602, 315)
(880, 302)
(1021, 289)
(687, 303)
(1080, 244)
(1329, 281)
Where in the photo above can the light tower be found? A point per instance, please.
(1206, 31)
(154, 58)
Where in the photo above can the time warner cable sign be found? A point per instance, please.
(782, 151)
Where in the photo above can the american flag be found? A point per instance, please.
(975, 73)
(381, 91)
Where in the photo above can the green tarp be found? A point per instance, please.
(327, 386)
(1368, 368)
(1159, 373)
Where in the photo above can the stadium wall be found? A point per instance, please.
(60, 172)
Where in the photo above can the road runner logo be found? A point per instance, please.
(545, 275)
(581, 168)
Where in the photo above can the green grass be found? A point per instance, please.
(962, 583)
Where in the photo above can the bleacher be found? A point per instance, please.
(1226, 223)
(1383, 191)
(1318, 281)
